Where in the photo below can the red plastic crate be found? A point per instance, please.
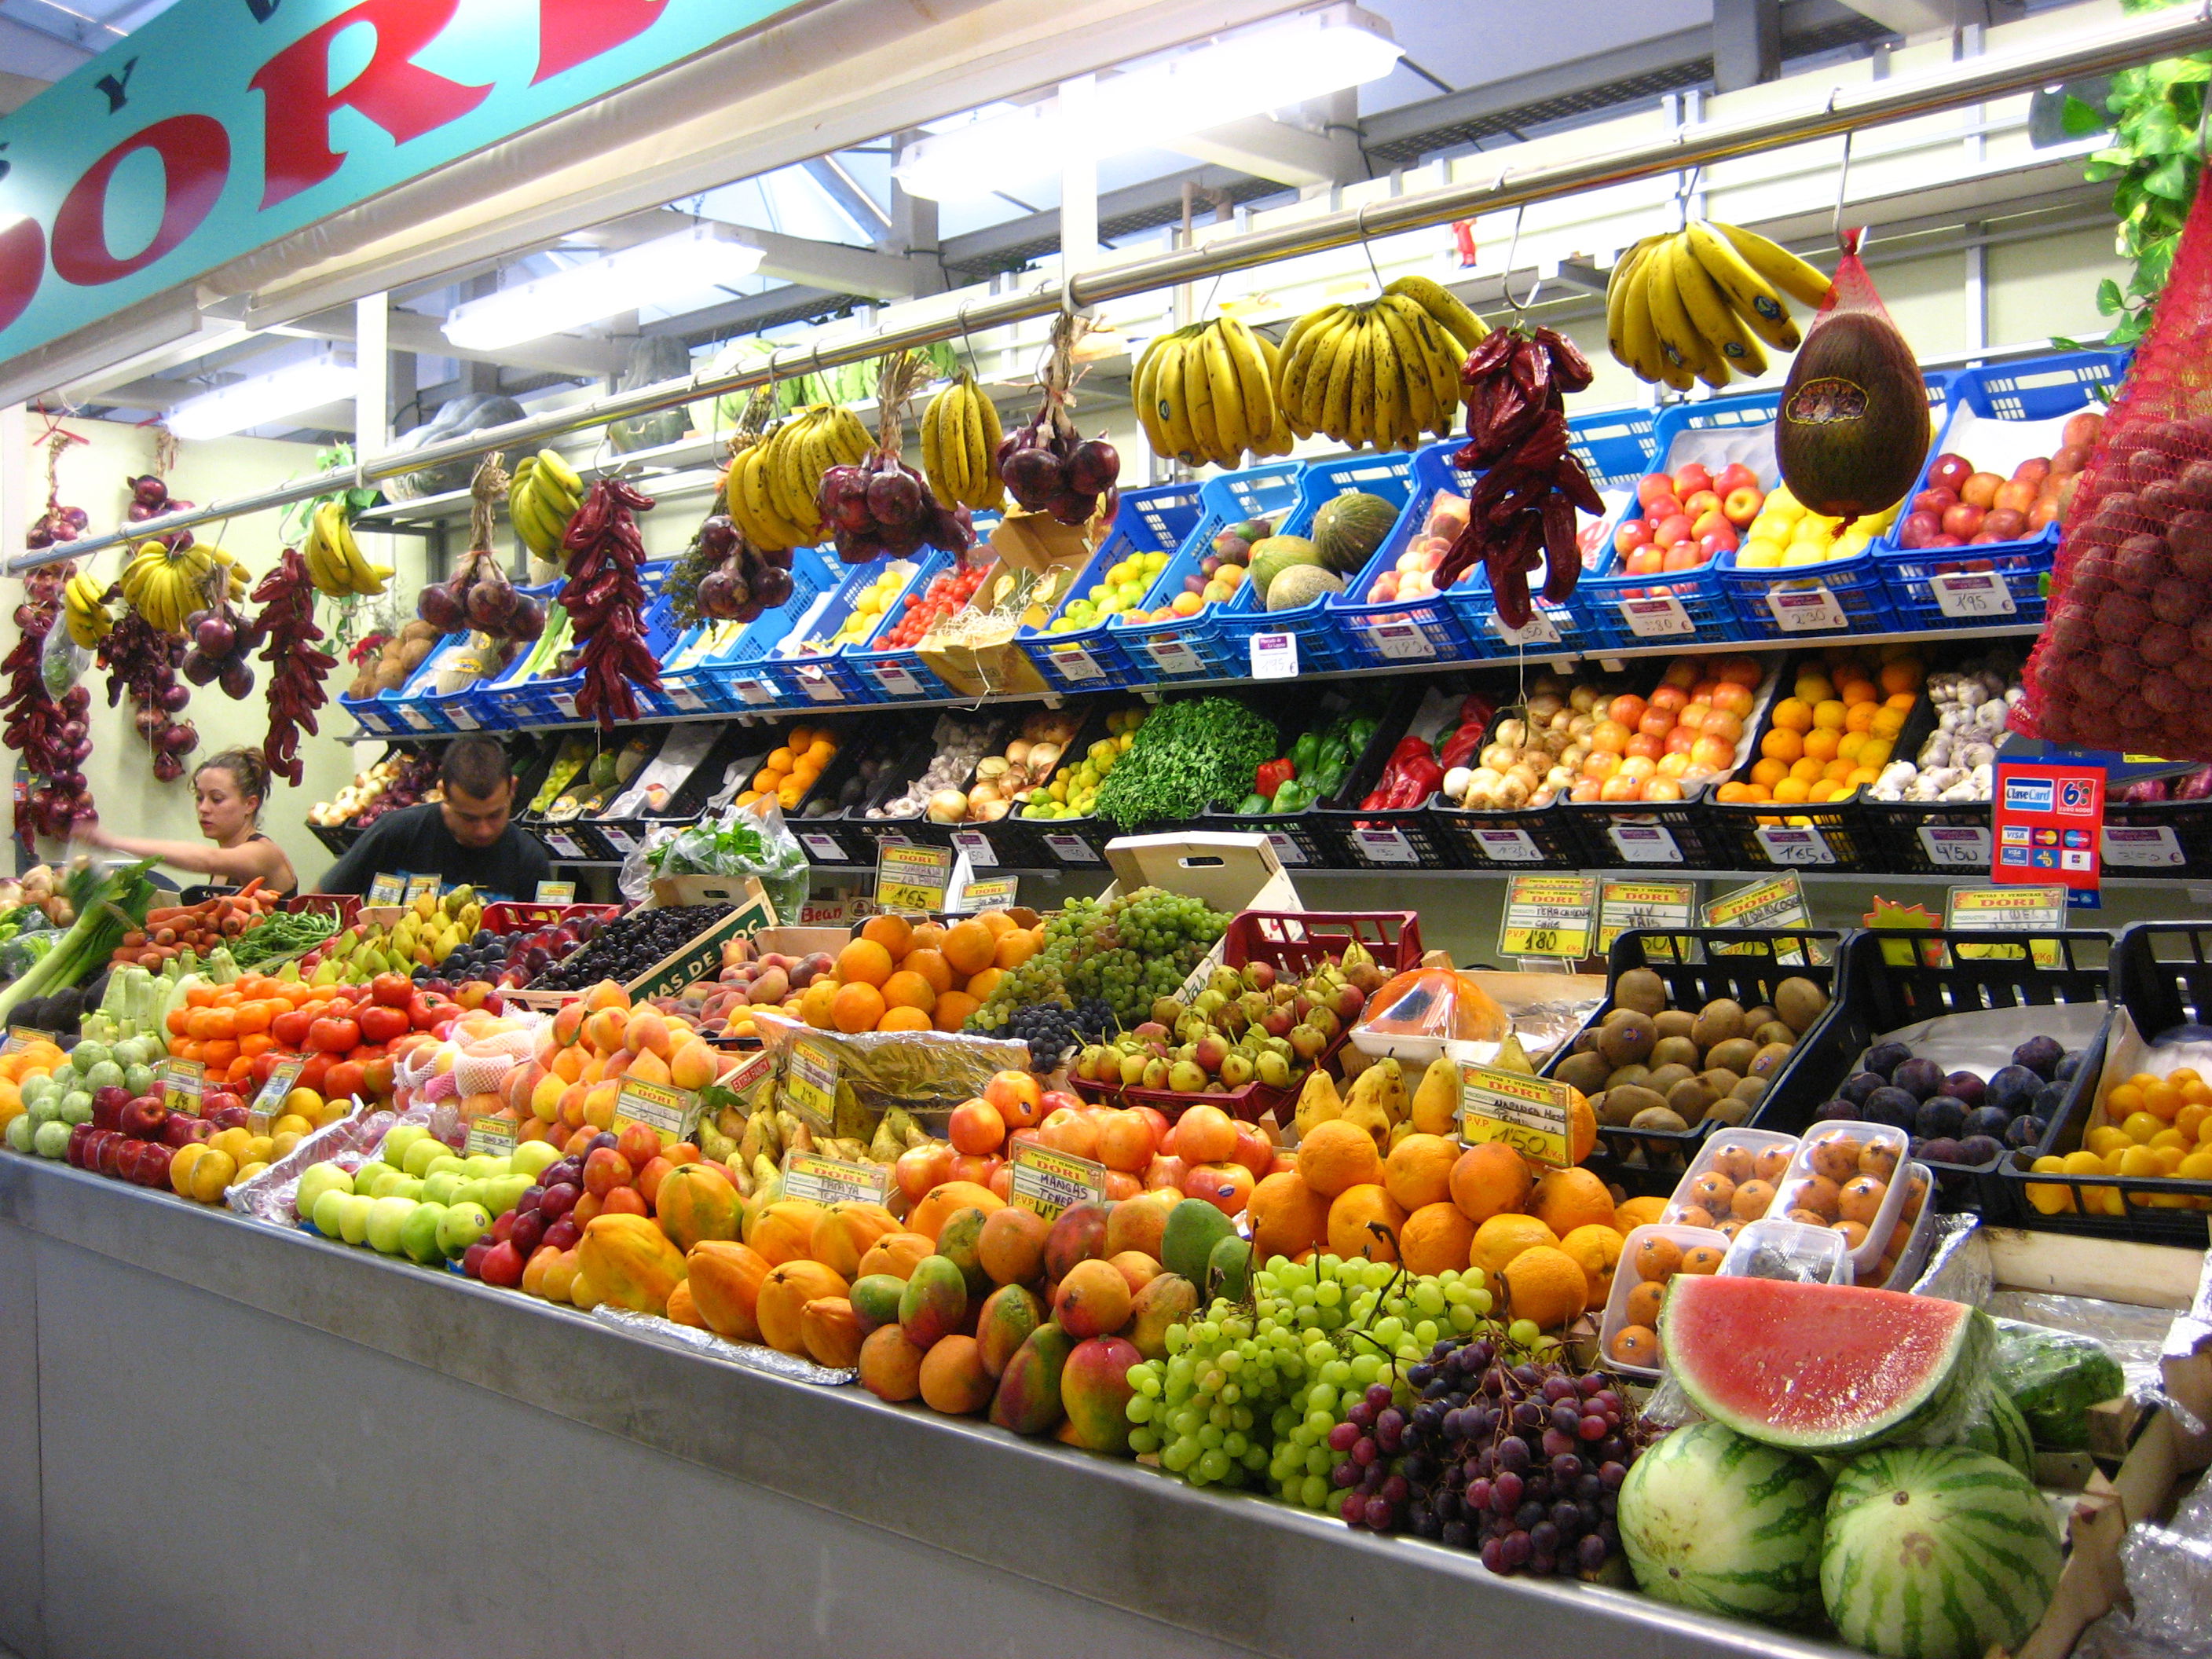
(346, 905)
(514, 915)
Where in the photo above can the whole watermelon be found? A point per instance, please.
(1937, 1552)
(1995, 1426)
(1712, 1520)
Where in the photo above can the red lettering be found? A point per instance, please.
(195, 153)
(23, 267)
(404, 100)
(573, 31)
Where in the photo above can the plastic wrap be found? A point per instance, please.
(705, 849)
(2169, 1576)
(753, 1356)
(1545, 1009)
(1415, 1015)
(351, 1142)
(927, 1073)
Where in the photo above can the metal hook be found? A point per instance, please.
(1684, 192)
(968, 340)
(1520, 307)
(1843, 181)
(1366, 247)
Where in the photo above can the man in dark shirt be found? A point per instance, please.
(465, 838)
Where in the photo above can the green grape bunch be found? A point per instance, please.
(1129, 951)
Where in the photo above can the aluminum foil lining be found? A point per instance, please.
(753, 1356)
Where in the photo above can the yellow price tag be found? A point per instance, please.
(833, 1180)
(810, 1084)
(1625, 905)
(1548, 916)
(2010, 910)
(183, 1083)
(1529, 1114)
(661, 1107)
(912, 879)
(1047, 1181)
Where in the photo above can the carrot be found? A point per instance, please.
(253, 886)
(172, 912)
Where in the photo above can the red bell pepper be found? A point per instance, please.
(1270, 776)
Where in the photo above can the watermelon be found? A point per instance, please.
(2054, 1377)
(1995, 1426)
(1348, 528)
(1821, 1368)
(1937, 1552)
(1711, 1520)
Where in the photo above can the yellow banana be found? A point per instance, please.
(1144, 392)
(1751, 295)
(1255, 382)
(982, 433)
(1198, 389)
(1415, 382)
(1302, 348)
(1364, 413)
(1679, 343)
(1447, 307)
(1175, 413)
(1777, 264)
(1335, 408)
(1307, 377)
(1226, 396)
(1722, 330)
(552, 467)
(1620, 288)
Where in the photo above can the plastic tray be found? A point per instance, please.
(1819, 1250)
(1160, 520)
(1805, 1168)
(1194, 647)
(1625, 1282)
(1922, 1234)
(1717, 1149)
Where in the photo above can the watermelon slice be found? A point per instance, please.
(1821, 1368)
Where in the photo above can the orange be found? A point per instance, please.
(1489, 1180)
(969, 947)
(1596, 1251)
(1338, 1156)
(1288, 1217)
(1769, 772)
(952, 1010)
(1016, 946)
(1643, 1303)
(996, 923)
(1436, 1236)
(1548, 1286)
(1781, 744)
(857, 1007)
(1582, 1126)
(981, 985)
(1636, 1212)
(931, 965)
(863, 961)
(1568, 1199)
(1793, 714)
(815, 1002)
(904, 1019)
(1418, 1173)
(1503, 1237)
(1355, 1212)
(1821, 743)
(1901, 676)
(927, 936)
(909, 990)
(894, 933)
(1829, 716)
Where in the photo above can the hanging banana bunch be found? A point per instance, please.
(1206, 393)
(542, 496)
(1381, 372)
(772, 484)
(84, 610)
(960, 437)
(165, 586)
(1697, 303)
(335, 563)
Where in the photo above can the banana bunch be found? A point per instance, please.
(335, 561)
(84, 610)
(542, 496)
(1381, 372)
(960, 435)
(1695, 305)
(165, 587)
(772, 485)
(1206, 393)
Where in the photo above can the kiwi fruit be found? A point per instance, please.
(1658, 1118)
(1677, 1051)
(1626, 1074)
(1773, 1031)
(1727, 1111)
(1717, 1021)
(1733, 1055)
(1798, 1002)
(1750, 1090)
(1691, 1098)
(1586, 1041)
(1641, 989)
(1626, 1036)
(1627, 1101)
(1586, 1072)
(1664, 1077)
(1769, 1059)
(1755, 1018)
(1719, 1080)
(1674, 1023)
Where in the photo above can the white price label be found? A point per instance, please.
(1957, 846)
(566, 702)
(1386, 846)
(563, 844)
(1287, 850)
(460, 716)
(1787, 846)
(1274, 656)
(1075, 663)
(1070, 849)
(977, 846)
(1644, 843)
(755, 691)
(1508, 846)
(1972, 593)
(415, 717)
(2154, 847)
(818, 686)
(896, 680)
(1401, 643)
(1540, 631)
(1810, 609)
(1174, 657)
(685, 698)
(1656, 618)
(824, 848)
(620, 839)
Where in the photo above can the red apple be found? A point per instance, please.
(1652, 485)
(1963, 520)
(1662, 508)
(154, 1164)
(80, 1135)
(141, 1118)
(1688, 555)
(1716, 541)
(1691, 478)
(1937, 500)
(503, 1265)
(180, 1129)
(1699, 502)
(111, 1155)
(1734, 477)
(1710, 521)
(1742, 505)
(1920, 526)
(1646, 561)
(1944, 538)
(2005, 524)
(1632, 534)
(1949, 472)
(1676, 528)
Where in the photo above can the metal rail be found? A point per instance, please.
(1845, 109)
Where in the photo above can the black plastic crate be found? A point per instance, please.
(2162, 974)
(1014, 840)
(1888, 979)
(1640, 836)
(1843, 839)
(2171, 838)
(1699, 965)
(1520, 838)
(1313, 837)
(1407, 838)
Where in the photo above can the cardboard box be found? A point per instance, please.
(1230, 873)
(1025, 544)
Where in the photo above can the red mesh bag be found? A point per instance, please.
(2124, 661)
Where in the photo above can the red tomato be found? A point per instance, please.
(333, 1036)
(391, 990)
(421, 1013)
(376, 1078)
(290, 1029)
(313, 1072)
(342, 1078)
(381, 1021)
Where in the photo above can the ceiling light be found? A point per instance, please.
(261, 399)
(1246, 74)
(651, 273)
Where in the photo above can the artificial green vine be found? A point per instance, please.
(2156, 116)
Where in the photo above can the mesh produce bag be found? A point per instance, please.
(2125, 661)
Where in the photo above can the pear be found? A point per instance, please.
(1318, 1101)
(1435, 1108)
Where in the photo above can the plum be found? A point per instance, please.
(2041, 1054)
(1987, 1121)
(1942, 1150)
(1940, 1117)
(1965, 1085)
(2068, 1066)
(2049, 1099)
(1893, 1107)
(2026, 1132)
(1885, 1058)
(2013, 1089)
(1838, 1110)
(1920, 1079)
(1980, 1149)
(1857, 1086)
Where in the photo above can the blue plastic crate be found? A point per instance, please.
(865, 676)
(1613, 445)
(1196, 647)
(2035, 389)
(1158, 519)
(1377, 634)
(517, 699)
(376, 715)
(1322, 640)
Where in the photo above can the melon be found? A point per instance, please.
(1937, 1552)
(1348, 529)
(1994, 1425)
(1301, 584)
(1822, 1368)
(1712, 1520)
(1273, 555)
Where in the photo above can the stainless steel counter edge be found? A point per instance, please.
(1240, 1570)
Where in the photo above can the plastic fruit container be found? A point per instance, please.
(1700, 1245)
(1914, 1232)
(1770, 1248)
(1845, 1177)
(1718, 1186)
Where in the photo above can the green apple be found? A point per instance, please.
(400, 1138)
(474, 1190)
(385, 1217)
(21, 1131)
(418, 1235)
(461, 1225)
(329, 1209)
(77, 1108)
(316, 1179)
(484, 1165)
(440, 1188)
(418, 1158)
(353, 1216)
(533, 1157)
(444, 1162)
(505, 1190)
(405, 1187)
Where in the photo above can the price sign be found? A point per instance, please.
(1274, 656)
(1384, 846)
(422, 887)
(994, 894)
(684, 697)
(183, 1083)
(1548, 916)
(897, 681)
(1530, 1114)
(1644, 843)
(810, 1083)
(2141, 848)
(2008, 910)
(1075, 663)
(1809, 609)
(825, 848)
(22, 1036)
(1538, 631)
(834, 1180)
(557, 892)
(910, 878)
(494, 1135)
(977, 846)
(1777, 902)
(461, 717)
(1287, 850)
(619, 838)
(269, 1105)
(1070, 849)
(661, 1107)
(1659, 617)
(755, 691)
(1508, 846)
(1047, 1181)
(819, 687)
(415, 717)
(1174, 657)
(1786, 845)
(562, 842)
(1401, 643)
(1623, 905)
(2047, 820)
(384, 888)
(566, 702)
(1956, 846)
(1972, 594)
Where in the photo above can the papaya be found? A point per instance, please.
(785, 1231)
(726, 1279)
(681, 1308)
(783, 1294)
(831, 1331)
(844, 1233)
(697, 1201)
(630, 1262)
(896, 1254)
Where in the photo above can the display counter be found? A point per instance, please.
(230, 1440)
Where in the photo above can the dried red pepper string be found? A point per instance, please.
(286, 595)
(604, 598)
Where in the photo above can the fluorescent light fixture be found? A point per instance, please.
(1249, 73)
(647, 274)
(261, 399)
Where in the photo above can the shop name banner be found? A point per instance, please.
(223, 126)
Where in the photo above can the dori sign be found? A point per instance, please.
(225, 124)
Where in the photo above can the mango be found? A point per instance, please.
(1093, 1300)
(1229, 1268)
(875, 1299)
(1193, 1228)
(1095, 1391)
(1170, 1299)
(783, 1294)
(846, 1232)
(896, 1255)
(697, 1201)
(630, 1262)
(1012, 1246)
(726, 1279)
(1009, 1316)
(1136, 1223)
(1027, 1397)
(935, 1303)
(1079, 1235)
(831, 1331)
(960, 1240)
(953, 1380)
(890, 1364)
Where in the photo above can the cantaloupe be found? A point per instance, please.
(1275, 555)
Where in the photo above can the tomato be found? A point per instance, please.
(342, 1079)
(290, 1029)
(333, 1036)
(376, 1078)
(421, 1013)
(381, 1021)
(391, 990)
(265, 1064)
(313, 1073)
